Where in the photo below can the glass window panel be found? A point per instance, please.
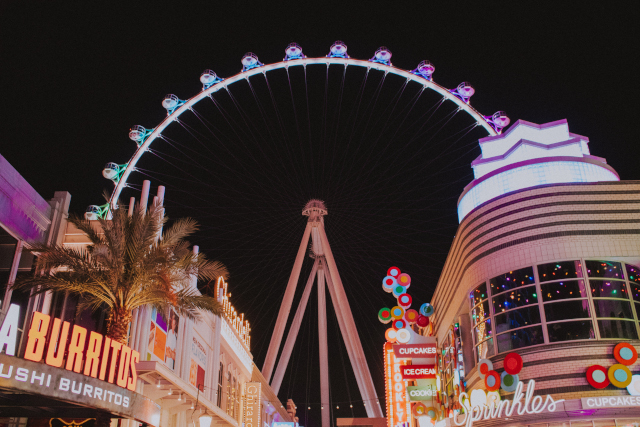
(516, 298)
(566, 310)
(606, 269)
(520, 338)
(633, 273)
(485, 349)
(511, 280)
(482, 331)
(569, 331)
(559, 270)
(563, 290)
(612, 308)
(635, 291)
(479, 294)
(617, 329)
(517, 318)
(480, 313)
(608, 289)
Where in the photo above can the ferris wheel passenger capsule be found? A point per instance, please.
(137, 133)
(208, 78)
(425, 69)
(293, 51)
(249, 61)
(464, 91)
(338, 50)
(500, 120)
(382, 56)
(110, 170)
(170, 102)
(92, 213)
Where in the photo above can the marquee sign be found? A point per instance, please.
(398, 404)
(408, 351)
(421, 393)
(417, 372)
(252, 402)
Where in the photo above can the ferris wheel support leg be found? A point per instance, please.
(293, 332)
(324, 352)
(345, 335)
(367, 389)
(285, 308)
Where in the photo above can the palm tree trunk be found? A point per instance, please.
(118, 325)
(118, 330)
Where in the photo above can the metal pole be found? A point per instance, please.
(285, 308)
(293, 332)
(325, 404)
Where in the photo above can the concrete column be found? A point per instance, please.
(324, 352)
(144, 196)
(293, 331)
(285, 308)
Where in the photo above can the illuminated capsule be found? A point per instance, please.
(249, 60)
(388, 283)
(293, 51)
(397, 312)
(92, 213)
(404, 301)
(399, 324)
(384, 315)
(383, 55)
(404, 279)
(426, 309)
(500, 119)
(399, 290)
(422, 321)
(411, 316)
(170, 102)
(466, 90)
(137, 133)
(426, 68)
(208, 77)
(393, 271)
(339, 50)
(110, 170)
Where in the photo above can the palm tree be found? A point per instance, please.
(127, 266)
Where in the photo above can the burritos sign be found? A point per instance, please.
(90, 354)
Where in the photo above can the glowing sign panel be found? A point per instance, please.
(398, 404)
(252, 400)
(408, 351)
(416, 372)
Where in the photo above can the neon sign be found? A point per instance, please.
(93, 354)
(398, 404)
(485, 411)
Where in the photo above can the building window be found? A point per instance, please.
(229, 401)
(481, 322)
(514, 300)
(611, 301)
(564, 301)
(220, 377)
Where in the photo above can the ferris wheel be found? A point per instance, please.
(244, 154)
(294, 57)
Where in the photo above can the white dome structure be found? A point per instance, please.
(530, 155)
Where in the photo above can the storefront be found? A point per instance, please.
(174, 372)
(544, 267)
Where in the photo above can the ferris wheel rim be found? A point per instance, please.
(286, 64)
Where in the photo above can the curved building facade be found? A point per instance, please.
(549, 272)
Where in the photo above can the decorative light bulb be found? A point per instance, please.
(158, 384)
(322, 407)
(170, 392)
(309, 408)
(337, 407)
(180, 397)
(350, 406)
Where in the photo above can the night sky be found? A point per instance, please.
(389, 161)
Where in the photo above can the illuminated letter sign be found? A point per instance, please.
(417, 372)
(418, 393)
(9, 330)
(252, 404)
(506, 408)
(408, 351)
(91, 351)
(398, 405)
